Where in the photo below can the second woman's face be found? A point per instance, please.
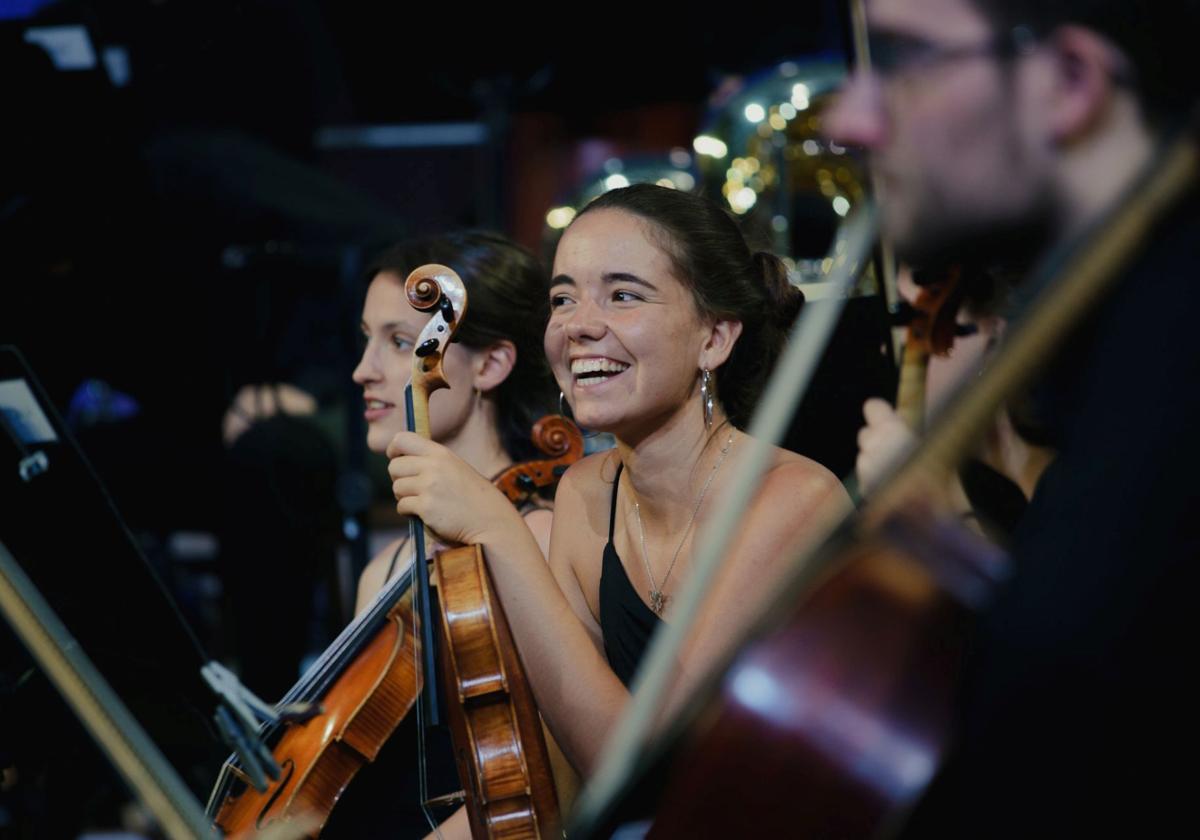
(624, 336)
(391, 326)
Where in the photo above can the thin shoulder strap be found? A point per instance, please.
(612, 513)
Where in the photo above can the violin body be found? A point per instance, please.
(320, 756)
(499, 744)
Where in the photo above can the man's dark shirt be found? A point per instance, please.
(1078, 710)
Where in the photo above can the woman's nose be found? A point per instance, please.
(366, 370)
(586, 322)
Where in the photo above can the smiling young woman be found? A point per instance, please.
(663, 328)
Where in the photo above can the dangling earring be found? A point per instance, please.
(706, 397)
(561, 397)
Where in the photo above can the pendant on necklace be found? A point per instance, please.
(657, 601)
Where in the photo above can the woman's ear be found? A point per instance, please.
(721, 338)
(493, 364)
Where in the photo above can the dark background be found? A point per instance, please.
(193, 229)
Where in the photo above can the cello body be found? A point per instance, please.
(833, 722)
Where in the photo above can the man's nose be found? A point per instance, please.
(856, 116)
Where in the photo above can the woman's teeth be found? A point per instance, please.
(596, 370)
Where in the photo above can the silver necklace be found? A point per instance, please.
(658, 601)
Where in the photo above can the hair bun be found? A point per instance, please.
(783, 299)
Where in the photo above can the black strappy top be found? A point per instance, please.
(625, 621)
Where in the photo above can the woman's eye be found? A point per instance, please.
(625, 296)
(401, 343)
(559, 300)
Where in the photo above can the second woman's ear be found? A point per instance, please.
(493, 364)
(720, 343)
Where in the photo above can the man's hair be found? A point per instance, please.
(1156, 36)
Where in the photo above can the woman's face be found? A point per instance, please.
(625, 339)
(391, 326)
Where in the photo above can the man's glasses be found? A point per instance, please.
(894, 54)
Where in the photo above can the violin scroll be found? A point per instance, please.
(555, 436)
(435, 287)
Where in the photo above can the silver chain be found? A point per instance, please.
(658, 601)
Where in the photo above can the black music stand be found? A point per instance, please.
(68, 538)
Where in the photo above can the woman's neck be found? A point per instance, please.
(478, 443)
(667, 467)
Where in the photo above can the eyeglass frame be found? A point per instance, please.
(890, 64)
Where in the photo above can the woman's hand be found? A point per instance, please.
(881, 443)
(454, 501)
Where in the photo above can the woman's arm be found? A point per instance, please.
(578, 694)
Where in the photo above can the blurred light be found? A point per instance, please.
(800, 94)
(68, 46)
(841, 205)
(778, 122)
(680, 158)
(560, 217)
(711, 146)
(685, 181)
(779, 224)
(789, 69)
(613, 182)
(755, 113)
(811, 147)
(666, 182)
(613, 166)
(836, 149)
(787, 110)
(116, 64)
(743, 200)
(412, 136)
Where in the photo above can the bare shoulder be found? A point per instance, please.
(796, 484)
(374, 575)
(589, 481)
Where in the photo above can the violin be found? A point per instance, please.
(554, 436)
(930, 320)
(369, 679)
(499, 745)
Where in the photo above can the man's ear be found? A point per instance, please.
(493, 364)
(1087, 69)
(719, 344)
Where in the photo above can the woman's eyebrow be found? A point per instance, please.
(626, 277)
(563, 280)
